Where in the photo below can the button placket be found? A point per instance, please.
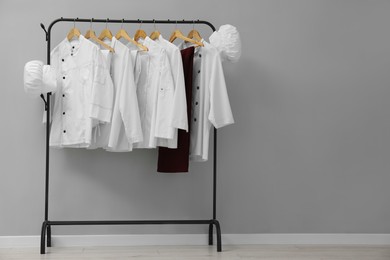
(63, 96)
(63, 113)
(197, 92)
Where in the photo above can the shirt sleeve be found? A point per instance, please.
(220, 112)
(102, 90)
(128, 102)
(178, 118)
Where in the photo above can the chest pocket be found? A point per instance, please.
(100, 75)
(84, 74)
(166, 83)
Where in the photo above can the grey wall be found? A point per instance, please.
(309, 153)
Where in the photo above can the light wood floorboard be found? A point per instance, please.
(263, 252)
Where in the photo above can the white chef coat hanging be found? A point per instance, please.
(126, 123)
(101, 132)
(84, 94)
(178, 115)
(210, 101)
(156, 94)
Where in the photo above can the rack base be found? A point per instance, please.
(46, 227)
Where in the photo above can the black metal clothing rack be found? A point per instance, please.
(47, 224)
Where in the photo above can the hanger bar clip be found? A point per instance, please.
(44, 29)
(44, 100)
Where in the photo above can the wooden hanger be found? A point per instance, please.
(90, 34)
(123, 34)
(194, 34)
(155, 34)
(106, 33)
(140, 33)
(73, 32)
(178, 34)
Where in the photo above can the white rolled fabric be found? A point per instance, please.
(33, 78)
(227, 41)
(49, 80)
(38, 78)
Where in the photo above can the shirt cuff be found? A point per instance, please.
(179, 124)
(100, 113)
(223, 123)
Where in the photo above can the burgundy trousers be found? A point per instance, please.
(177, 160)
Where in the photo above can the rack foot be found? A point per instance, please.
(48, 236)
(211, 234)
(219, 238)
(43, 237)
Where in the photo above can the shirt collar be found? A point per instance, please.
(111, 42)
(185, 45)
(72, 47)
(150, 44)
(160, 38)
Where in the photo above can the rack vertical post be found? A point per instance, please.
(46, 234)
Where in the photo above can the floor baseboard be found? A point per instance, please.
(198, 239)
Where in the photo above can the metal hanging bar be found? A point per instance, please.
(46, 225)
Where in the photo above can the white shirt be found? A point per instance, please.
(101, 131)
(126, 124)
(210, 101)
(84, 92)
(125, 127)
(178, 111)
(155, 92)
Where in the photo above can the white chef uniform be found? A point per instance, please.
(155, 92)
(210, 101)
(101, 132)
(126, 124)
(179, 109)
(84, 92)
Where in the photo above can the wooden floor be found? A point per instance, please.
(265, 252)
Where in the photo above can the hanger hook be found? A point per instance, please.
(193, 24)
(122, 23)
(154, 23)
(106, 23)
(140, 24)
(74, 23)
(176, 25)
(90, 25)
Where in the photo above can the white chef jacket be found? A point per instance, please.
(179, 108)
(101, 131)
(126, 124)
(210, 101)
(84, 92)
(125, 127)
(155, 92)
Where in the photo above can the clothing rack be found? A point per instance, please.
(47, 224)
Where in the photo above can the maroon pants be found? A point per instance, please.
(176, 160)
